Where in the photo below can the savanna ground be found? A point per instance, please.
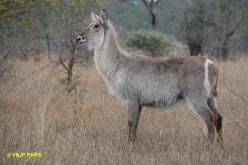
(88, 126)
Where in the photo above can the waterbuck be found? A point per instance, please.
(157, 82)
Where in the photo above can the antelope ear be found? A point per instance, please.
(104, 15)
(93, 16)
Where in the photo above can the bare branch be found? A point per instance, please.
(157, 1)
(145, 3)
(63, 64)
(150, 5)
(239, 22)
(244, 99)
(4, 55)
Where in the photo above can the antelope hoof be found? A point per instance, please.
(131, 139)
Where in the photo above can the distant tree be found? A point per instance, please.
(14, 34)
(213, 23)
(28, 26)
(232, 15)
(43, 14)
(70, 18)
(198, 20)
(151, 7)
(194, 34)
(16, 25)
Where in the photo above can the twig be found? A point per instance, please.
(244, 99)
(63, 64)
(4, 55)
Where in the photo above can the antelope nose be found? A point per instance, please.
(79, 38)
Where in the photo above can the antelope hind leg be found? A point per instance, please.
(206, 114)
(217, 120)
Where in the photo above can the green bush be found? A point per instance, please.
(152, 43)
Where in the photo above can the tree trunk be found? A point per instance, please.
(47, 39)
(195, 48)
(154, 21)
(70, 70)
(224, 50)
(150, 5)
(48, 46)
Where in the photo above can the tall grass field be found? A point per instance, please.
(89, 126)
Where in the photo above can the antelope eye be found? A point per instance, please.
(96, 25)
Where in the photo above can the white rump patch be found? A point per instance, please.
(206, 83)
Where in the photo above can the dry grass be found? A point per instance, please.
(88, 126)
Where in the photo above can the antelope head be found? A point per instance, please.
(93, 35)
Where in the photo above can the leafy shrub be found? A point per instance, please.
(152, 43)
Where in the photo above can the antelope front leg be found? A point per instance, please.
(134, 110)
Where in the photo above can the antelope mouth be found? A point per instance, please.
(80, 39)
